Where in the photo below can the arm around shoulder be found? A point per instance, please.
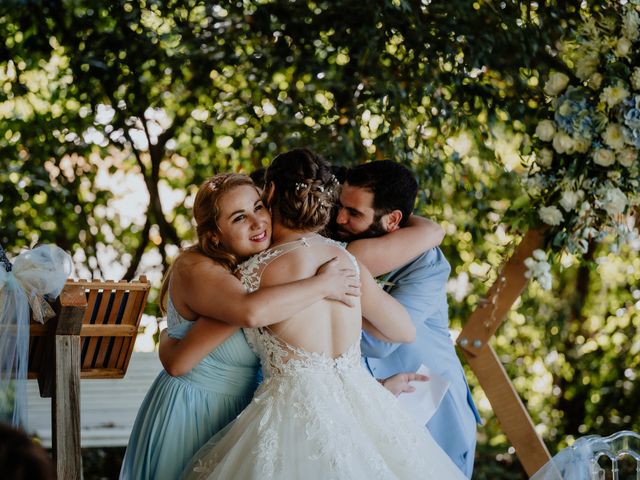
(395, 249)
(385, 317)
(179, 357)
(231, 303)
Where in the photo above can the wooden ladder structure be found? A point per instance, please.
(91, 336)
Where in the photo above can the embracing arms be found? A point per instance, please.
(209, 290)
(421, 289)
(395, 249)
(383, 316)
(267, 305)
(178, 357)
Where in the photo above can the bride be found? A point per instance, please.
(318, 414)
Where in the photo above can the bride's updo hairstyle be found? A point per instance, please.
(206, 210)
(304, 189)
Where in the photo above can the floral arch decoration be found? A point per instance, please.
(584, 176)
(583, 185)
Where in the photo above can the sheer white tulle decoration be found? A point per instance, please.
(35, 274)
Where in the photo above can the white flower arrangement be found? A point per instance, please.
(538, 268)
(584, 180)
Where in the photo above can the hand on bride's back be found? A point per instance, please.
(343, 283)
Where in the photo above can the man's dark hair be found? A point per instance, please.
(392, 184)
(340, 171)
(258, 177)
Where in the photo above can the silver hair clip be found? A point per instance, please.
(300, 186)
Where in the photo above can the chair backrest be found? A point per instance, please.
(596, 458)
(109, 328)
(616, 453)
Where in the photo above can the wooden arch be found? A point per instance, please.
(474, 343)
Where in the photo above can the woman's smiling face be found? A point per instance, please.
(244, 223)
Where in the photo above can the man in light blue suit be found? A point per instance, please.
(378, 198)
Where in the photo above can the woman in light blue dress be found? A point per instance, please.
(179, 414)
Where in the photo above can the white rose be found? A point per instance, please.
(545, 281)
(569, 200)
(595, 80)
(627, 156)
(604, 157)
(557, 82)
(563, 143)
(631, 24)
(614, 176)
(613, 95)
(635, 78)
(584, 207)
(550, 215)
(613, 201)
(545, 130)
(613, 136)
(544, 157)
(581, 144)
(623, 47)
(583, 245)
(535, 184)
(530, 263)
(587, 65)
(538, 268)
(539, 255)
(565, 108)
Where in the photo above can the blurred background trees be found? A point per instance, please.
(112, 113)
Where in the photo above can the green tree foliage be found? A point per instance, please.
(101, 98)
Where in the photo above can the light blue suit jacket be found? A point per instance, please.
(421, 287)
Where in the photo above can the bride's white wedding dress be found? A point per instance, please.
(317, 417)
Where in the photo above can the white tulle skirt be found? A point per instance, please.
(332, 423)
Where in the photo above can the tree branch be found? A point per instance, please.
(137, 256)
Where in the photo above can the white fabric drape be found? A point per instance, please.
(36, 273)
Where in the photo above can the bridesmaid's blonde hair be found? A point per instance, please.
(206, 210)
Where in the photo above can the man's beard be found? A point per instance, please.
(375, 230)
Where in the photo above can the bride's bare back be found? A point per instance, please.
(326, 327)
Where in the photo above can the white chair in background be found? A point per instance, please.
(596, 458)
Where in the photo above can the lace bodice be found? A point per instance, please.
(277, 356)
(280, 358)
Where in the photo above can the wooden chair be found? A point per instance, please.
(91, 336)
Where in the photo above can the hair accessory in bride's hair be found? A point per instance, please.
(332, 183)
(300, 186)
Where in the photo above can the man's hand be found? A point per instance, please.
(399, 382)
(343, 283)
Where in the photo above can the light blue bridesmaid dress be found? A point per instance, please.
(180, 414)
